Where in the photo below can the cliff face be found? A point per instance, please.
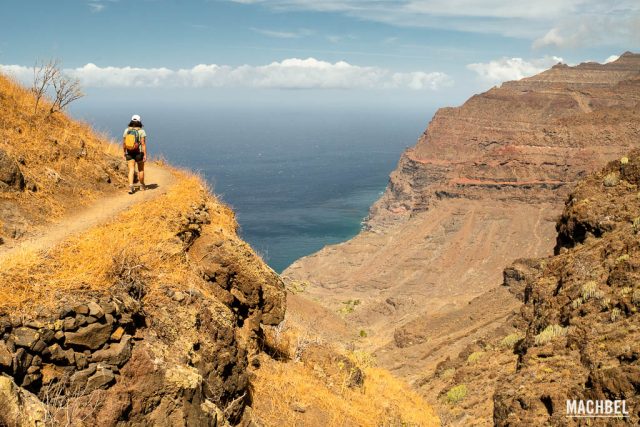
(527, 140)
(483, 187)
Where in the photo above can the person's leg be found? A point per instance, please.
(132, 167)
(141, 174)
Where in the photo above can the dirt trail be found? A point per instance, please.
(158, 179)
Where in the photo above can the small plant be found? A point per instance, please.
(510, 340)
(611, 180)
(549, 333)
(626, 291)
(622, 258)
(363, 359)
(456, 394)
(448, 373)
(605, 303)
(636, 224)
(475, 356)
(635, 298)
(590, 290)
(349, 305)
(297, 286)
(363, 333)
(615, 314)
(624, 160)
(576, 303)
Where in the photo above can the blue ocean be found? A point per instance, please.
(298, 178)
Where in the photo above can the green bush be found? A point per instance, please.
(456, 394)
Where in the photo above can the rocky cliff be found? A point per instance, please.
(483, 187)
(528, 140)
(575, 334)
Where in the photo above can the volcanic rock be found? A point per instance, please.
(92, 336)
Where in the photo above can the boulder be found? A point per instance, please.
(92, 336)
(95, 310)
(116, 354)
(6, 360)
(25, 337)
(19, 407)
(101, 379)
(10, 175)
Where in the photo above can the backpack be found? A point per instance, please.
(132, 139)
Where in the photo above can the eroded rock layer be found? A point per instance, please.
(483, 187)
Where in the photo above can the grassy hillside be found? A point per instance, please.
(65, 164)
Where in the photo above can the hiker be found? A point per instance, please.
(134, 143)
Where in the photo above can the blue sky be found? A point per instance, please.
(436, 50)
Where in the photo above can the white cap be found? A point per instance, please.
(135, 118)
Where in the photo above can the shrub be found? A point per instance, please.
(456, 394)
(510, 340)
(626, 291)
(363, 333)
(615, 314)
(475, 356)
(635, 298)
(448, 373)
(590, 290)
(624, 160)
(549, 333)
(611, 180)
(622, 258)
(349, 305)
(576, 303)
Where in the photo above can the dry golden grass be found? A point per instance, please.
(144, 235)
(64, 158)
(283, 390)
(315, 377)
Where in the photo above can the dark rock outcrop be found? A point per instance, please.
(580, 317)
(10, 175)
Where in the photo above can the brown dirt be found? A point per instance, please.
(159, 181)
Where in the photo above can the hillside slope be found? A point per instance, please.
(575, 334)
(482, 188)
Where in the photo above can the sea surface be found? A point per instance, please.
(298, 179)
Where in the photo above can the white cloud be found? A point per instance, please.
(505, 69)
(618, 28)
(546, 22)
(291, 73)
(96, 7)
(612, 58)
(283, 34)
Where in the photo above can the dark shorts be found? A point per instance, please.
(135, 155)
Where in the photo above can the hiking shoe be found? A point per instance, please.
(131, 189)
(143, 187)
